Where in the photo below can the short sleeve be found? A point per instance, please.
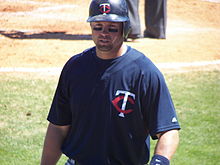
(60, 113)
(158, 105)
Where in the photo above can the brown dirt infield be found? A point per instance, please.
(45, 33)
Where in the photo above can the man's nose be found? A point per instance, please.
(105, 30)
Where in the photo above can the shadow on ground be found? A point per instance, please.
(44, 35)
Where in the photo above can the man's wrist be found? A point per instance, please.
(159, 160)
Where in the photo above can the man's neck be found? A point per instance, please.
(112, 54)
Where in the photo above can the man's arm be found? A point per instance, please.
(52, 144)
(167, 143)
(166, 147)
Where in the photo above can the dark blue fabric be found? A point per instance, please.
(159, 160)
(90, 98)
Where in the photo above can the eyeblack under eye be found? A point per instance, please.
(97, 28)
(113, 30)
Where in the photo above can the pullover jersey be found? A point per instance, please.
(112, 107)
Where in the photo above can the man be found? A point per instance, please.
(155, 19)
(109, 99)
(133, 13)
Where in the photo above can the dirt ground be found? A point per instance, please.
(45, 33)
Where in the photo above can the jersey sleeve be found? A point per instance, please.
(60, 113)
(158, 105)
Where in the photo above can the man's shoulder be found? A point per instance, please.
(138, 56)
(135, 53)
(141, 59)
(82, 56)
(79, 61)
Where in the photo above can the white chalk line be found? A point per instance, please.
(187, 64)
(31, 70)
(51, 12)
(48, 11)
(214, 1)
(57, 70)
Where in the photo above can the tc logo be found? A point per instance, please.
(126, 97)
(105, 8)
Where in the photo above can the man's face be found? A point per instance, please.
(107, 36)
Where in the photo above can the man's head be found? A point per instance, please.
(110, 11)
(107, 36)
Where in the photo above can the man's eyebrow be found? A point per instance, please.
(98, 24)
(113, 25)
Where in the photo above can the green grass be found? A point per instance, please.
(24, 104)
(25, 101)
(197, 99)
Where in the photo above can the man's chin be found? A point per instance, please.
(104, 48)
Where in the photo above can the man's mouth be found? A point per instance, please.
(104, 40)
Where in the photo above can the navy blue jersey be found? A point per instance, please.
(112, 107)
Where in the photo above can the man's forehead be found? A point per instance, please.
(106, 23)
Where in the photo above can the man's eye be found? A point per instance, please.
(113, 30)
(97, 28)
